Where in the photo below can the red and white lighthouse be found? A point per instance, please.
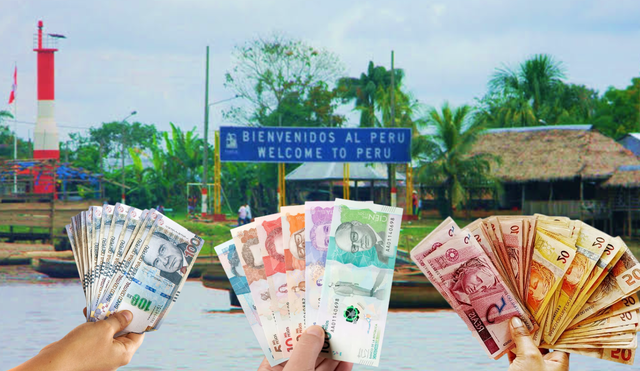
(45, 137)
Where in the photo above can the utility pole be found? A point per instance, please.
(123, 178)
(391, 168)
(206, 139)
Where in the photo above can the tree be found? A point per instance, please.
(536, 79)
(366, 89)
(450, 164)
(618, 111)
(270, 72)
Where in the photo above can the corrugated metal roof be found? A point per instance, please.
(541, 128)
(334, 171)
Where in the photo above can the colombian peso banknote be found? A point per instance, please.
(316, 236)
(245, 238)
(357, 280)
(232, 266)
(294, 259)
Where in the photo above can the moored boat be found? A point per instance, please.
(55, 268)
(410, 288)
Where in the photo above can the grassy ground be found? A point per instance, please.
(412, 233)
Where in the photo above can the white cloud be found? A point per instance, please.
(149, 55)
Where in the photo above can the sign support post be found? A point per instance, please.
(345, 181)
(217, 178)
(409, 196)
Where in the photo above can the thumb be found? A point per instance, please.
(118, 321)
(525, 347)
(306, 351)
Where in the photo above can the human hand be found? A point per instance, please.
(90, 346)
(305, 355)
(528, 357)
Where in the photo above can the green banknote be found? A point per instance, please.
(357, 280)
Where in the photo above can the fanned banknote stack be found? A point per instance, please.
(324, 263)
(131, 259)
(574, 287)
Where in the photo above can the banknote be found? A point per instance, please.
(612, 289)
(96, 239)
(590, 246)
(512, 230)
(107, 301)
(105, 228)
(443, 233)
(551, 259)
(230, 262)
(477, 292)
(129, 229)
(294, 259)
(120, 213)
(158, 274)
(357, 280)
(269, 230)
(624, 305)
(316, 236)
(245, 238)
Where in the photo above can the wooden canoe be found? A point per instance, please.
(55, 268)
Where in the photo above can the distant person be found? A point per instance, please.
(415, 202)
(191, 205)
(160, 209)
(248, 209)
(242, 215)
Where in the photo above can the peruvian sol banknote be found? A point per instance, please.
(158, 273)
(461, 269)
(294, 261)
(317, 217)
(245, 238)
(230, 261)
(270, 240)
(357, 280)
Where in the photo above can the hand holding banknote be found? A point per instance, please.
(305, 355)
(91, 338)
(528, 356)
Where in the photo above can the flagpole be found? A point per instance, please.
(15, 134)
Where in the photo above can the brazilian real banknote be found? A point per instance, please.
(357, 280)
(232, 266)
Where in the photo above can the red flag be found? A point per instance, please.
(12, 96)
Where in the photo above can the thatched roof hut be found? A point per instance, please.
(552, 153)
(625, 176)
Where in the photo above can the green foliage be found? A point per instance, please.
(451, 165)
(618, 111)
(25, 149)
(283, 79)
(366, 90)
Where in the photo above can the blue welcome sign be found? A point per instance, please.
(290, 144)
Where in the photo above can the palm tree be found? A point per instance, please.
(364, 91)
(451, 165)
(5, 115)
(536, 79)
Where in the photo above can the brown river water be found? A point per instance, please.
(201, 333)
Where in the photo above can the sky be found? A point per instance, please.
(149, 55)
